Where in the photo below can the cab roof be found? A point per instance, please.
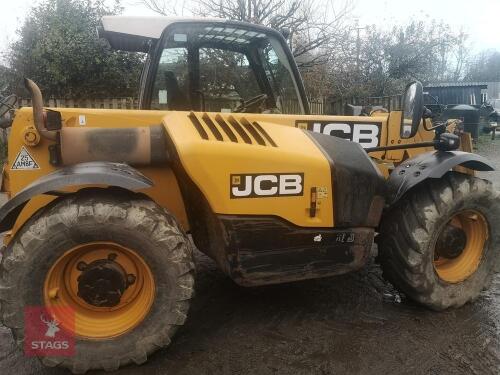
(135, 34)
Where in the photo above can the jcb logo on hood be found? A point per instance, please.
(266, 185)
(366, 134)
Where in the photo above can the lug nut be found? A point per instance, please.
(130, 279)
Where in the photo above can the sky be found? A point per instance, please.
(478, 18)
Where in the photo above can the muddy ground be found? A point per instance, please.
(355, 324)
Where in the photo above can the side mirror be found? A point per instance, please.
(413, 108)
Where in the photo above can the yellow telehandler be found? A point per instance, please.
(101, 202)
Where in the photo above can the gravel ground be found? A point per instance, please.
(491, 149)
(354, 323)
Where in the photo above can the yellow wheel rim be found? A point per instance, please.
(91, 321)
(457, 269)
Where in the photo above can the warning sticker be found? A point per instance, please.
(24, 160)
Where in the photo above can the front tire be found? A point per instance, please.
(113, 233)
(440, 243)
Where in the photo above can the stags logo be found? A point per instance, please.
(45, 336)
(52, 326)
(266, 185)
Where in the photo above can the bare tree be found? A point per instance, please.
(157, 6)
(165, 8)
(485, 66)
(340, 59)
(425, 50)
(461, 55)
(311, 26)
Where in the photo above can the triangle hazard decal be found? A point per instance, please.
(24, 161)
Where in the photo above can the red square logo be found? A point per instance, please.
(45, 335)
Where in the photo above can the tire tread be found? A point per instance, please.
(406, 228)
(132, 208)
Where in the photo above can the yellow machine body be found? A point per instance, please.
(204, 160)
(240, 171)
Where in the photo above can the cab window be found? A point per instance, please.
(226, 79)
(170, 86)
(222, 68)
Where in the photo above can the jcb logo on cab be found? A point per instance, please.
(266, 185)
(366, 134)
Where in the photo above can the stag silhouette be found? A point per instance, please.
(52, 326)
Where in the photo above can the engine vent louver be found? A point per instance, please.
(264, 133)
(212, 127)
(225, 127)
(250, 128)
(249, 132)
(198, 126)
(236, 125)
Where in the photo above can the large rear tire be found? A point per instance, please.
(440, 243)
(109, 233)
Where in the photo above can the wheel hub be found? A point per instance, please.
(459, 248)
(451, 243)
(109, 287)
(103, 281)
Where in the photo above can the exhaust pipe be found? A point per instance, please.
(38, 114)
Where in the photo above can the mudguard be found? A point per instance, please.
(430, 165)
(98, 173)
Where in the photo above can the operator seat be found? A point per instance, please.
(176, 99)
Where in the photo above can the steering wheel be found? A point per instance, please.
(251, 104)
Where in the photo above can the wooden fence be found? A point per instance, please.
(317, 106)
(111, 103)
(393, 102)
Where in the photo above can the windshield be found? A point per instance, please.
(223, 68)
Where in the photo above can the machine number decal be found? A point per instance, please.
(345, 237)
(366, 134)
(24, 161)
(260, 185)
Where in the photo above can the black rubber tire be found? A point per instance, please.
(129, 219)
(409, 230)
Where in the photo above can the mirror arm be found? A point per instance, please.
(434, 127)
(401, 147)
(442, 142)
(428, 114)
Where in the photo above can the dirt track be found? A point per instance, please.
(355, 323)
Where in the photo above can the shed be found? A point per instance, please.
(493, 90)
(472, 93)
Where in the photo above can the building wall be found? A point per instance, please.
(493, 90)
(453, 95)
